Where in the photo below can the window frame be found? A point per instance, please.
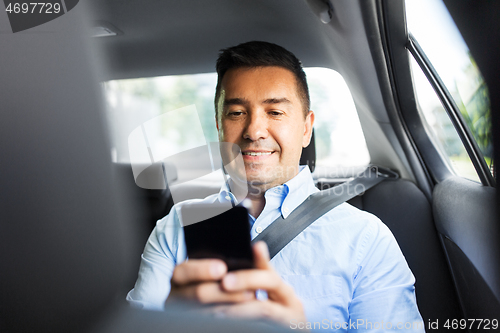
(452, 110)
(399, 46)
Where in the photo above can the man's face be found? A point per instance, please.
(260, 111)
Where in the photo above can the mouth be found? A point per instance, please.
(257, 153)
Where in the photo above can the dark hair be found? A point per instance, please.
(260, 54)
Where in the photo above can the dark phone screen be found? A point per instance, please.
(225, 236)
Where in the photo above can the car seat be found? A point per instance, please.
(66, 231)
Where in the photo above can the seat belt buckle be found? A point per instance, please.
(381, 172)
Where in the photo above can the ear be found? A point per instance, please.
(308, 127)
(219, 107)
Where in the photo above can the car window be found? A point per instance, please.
(178, 114)
(440, 128)
(434, 30)
(340, 143)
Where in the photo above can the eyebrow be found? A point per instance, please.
(242, 101)
(277, 101)
(235, 101)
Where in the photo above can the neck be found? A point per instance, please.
(256, 205)
(253, 193)
(254, 196)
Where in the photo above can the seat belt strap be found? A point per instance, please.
(282, 231)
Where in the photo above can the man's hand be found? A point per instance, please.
(282, 305)
(198, 280)
(206, 282)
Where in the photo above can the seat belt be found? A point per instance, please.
(282, 231)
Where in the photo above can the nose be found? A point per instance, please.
(256, 126)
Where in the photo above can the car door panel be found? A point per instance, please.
(465, 216)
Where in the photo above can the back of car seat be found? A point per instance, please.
(65, 230)
(62, 244)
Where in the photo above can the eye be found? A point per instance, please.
(275, 113)
(236, 113)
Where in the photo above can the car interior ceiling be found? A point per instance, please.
(154, 46)
(105, 207)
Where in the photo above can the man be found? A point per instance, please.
(345, 267)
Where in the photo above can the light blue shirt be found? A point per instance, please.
(346, 267)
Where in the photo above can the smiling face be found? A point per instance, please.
(259, 109)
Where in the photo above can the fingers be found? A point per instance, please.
(200, 270)
(251, 279)
(197, 280)
(276, 288)
(264, 277)
(259, 309)
(209, 292)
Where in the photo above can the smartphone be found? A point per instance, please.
(218, 231)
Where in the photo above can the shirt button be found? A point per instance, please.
(228, 197)
(285, 209)
(259, 230)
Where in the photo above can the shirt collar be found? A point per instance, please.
(294, 192)
(225, 194)
(299, 188)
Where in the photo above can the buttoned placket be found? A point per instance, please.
(274, 198)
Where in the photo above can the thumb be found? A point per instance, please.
(261, 255)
